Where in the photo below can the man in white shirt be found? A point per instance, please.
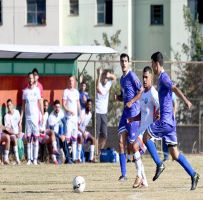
(32, 107)
(103, 85)
(71, 105)
(57, 123)
(11, 121)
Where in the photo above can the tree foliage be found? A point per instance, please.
(190, 78)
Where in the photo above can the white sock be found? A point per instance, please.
(54, 144)
(74, 150)
(138, 163)
(79, 151)
(29, 151)
(36, 149)
(53, 157)
(128, 157)
(92, 148)
(6, 152)
(15, 149)
(144, 178)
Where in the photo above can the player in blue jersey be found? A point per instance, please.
(165, 127)
(131, 90)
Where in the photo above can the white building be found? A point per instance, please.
(146, 25)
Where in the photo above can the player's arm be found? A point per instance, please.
(22, 113)
(79, 108)
(118, 97)
(65, 106)
(135, 98)
(111, 76)
(99, 73)
(179, 93)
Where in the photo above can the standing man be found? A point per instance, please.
(11, 121)
(71, 104)
(131, 90)
(103, 85)
(32, 107)
(165, 127)
(36, 81)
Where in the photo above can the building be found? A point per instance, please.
(146, 25)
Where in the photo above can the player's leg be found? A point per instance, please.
(165, 150)
(89, 138)
(182, 160)
(5, 139)
(154, 130)
(80, 142)
(128, 153)
(74, 135)
(28, 137)
(15, 148)
(98, 131)
(103, 131)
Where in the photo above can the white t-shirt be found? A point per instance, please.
(102, 99)
(72, 97)
(12, 120)
(43, 127)
(31, 97)
(149, 102)
(84, 119)
(54, 120)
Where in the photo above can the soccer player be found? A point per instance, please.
(36, 81)
(57, 123)
(103, 85)
(71, 105)
(11, 121)
(131, 90)
(165, 127)
(83, 135)
(32, 107)
(5, 142)
(84, 96)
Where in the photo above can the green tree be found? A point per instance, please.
(190, 79)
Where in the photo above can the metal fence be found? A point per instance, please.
(189, 122)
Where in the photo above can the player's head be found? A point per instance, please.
(83, 86)
(89, 105)
(147, 77)
(71, 81)
(157, 62)
(36, 74)
(104, 76)
(30, 78)
(46, 105)
(124, 62)
(57, 106)
(9, 105)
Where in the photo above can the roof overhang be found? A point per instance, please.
(10, 51)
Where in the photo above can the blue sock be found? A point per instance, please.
(152, 150)
(165, 150)
(186, 165)
(123, 164)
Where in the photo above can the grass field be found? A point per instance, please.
(46, 181)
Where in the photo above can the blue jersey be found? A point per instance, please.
(130, 85)
(82, 103)
(165, 99)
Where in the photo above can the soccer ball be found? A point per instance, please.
(78, 184)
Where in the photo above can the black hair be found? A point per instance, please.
(89, 100)
(29, 74)
(9, 100)
(123, 55)
(56, 102)
(35, 70)
(45, 100)
(147, 69)
(158, 57)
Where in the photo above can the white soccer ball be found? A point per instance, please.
(78, 184)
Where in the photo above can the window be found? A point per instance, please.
(157, 17)
(0, 12)
(36, 12)
(74, 7)
(104, 11)
(200, 10)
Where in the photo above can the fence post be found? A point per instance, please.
(200, 126)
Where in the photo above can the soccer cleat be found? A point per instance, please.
(35, 162)
(138, 182)
(122, 178)
(159, 170)
(194, 180)
(6, 162)
(29, 162)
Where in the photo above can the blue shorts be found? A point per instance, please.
(162, 130)
(130, 128)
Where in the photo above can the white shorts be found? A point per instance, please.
(86, 135)
(32, 127)
(72, 129)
